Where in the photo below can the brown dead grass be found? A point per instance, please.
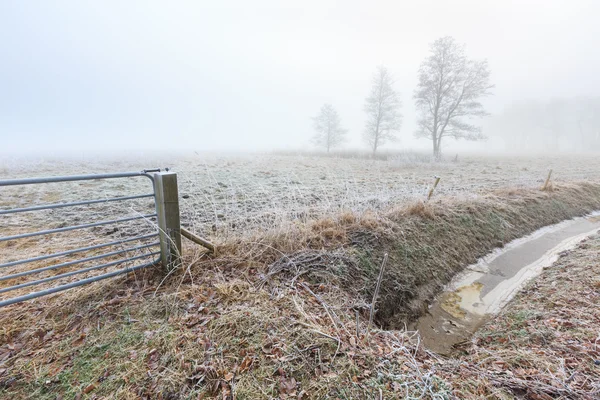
(420, 209)
(275, 314)
(545, 344)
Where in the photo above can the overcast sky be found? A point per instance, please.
(249, 75)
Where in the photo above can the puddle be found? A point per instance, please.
(485, 287)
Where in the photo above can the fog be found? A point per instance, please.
(249, 76)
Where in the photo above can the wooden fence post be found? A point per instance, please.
(437, 180)
(545, 187)
(167, 208)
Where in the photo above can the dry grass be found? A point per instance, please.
(227, 196)
(420, 209)
(275, 314)
(220, 339)
(545, 344)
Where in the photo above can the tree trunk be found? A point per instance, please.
(436, 149)
(438, 155)
(375, 144)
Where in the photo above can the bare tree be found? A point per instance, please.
(383, 111)
(448, 93)
(329, 131)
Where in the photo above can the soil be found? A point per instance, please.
(544, 344)
(480, 292)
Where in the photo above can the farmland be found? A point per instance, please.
(231, 194)
(282, 311)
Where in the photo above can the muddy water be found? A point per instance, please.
(485, 287)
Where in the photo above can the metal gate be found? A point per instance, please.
(98, 259)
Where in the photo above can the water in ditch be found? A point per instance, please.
(485, 287)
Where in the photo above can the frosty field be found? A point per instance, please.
(237, 194)
(301, 240)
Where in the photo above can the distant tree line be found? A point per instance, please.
(447, 98)
(550, 126)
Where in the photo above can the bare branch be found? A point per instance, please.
(449, 92)
(383, 111)
(329, 134)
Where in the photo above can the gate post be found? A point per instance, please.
(167, 210)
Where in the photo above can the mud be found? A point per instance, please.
(485, 287)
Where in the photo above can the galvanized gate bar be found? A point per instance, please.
(77, 203)
(74, 227)
(79, 271)
(159, 226)
(79, 250)
(74, 284)
(82, 260)
(72, 178)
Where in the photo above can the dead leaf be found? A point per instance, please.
(287, 386)
(538, 396)
(79, 340)
(149, 334)
(246, 363)
(54, 370)
(48, 336)
(89, 388)
(113, 302)
(40, 333)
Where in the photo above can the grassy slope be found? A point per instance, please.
(275, 316)
(546, 343)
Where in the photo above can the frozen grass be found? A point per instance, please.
(545, 344)
(277, 314)
(225, 196)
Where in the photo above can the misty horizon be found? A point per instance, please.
(233, 77)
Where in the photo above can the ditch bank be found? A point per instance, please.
(275, 315)
(483, 289)
(428, 244)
